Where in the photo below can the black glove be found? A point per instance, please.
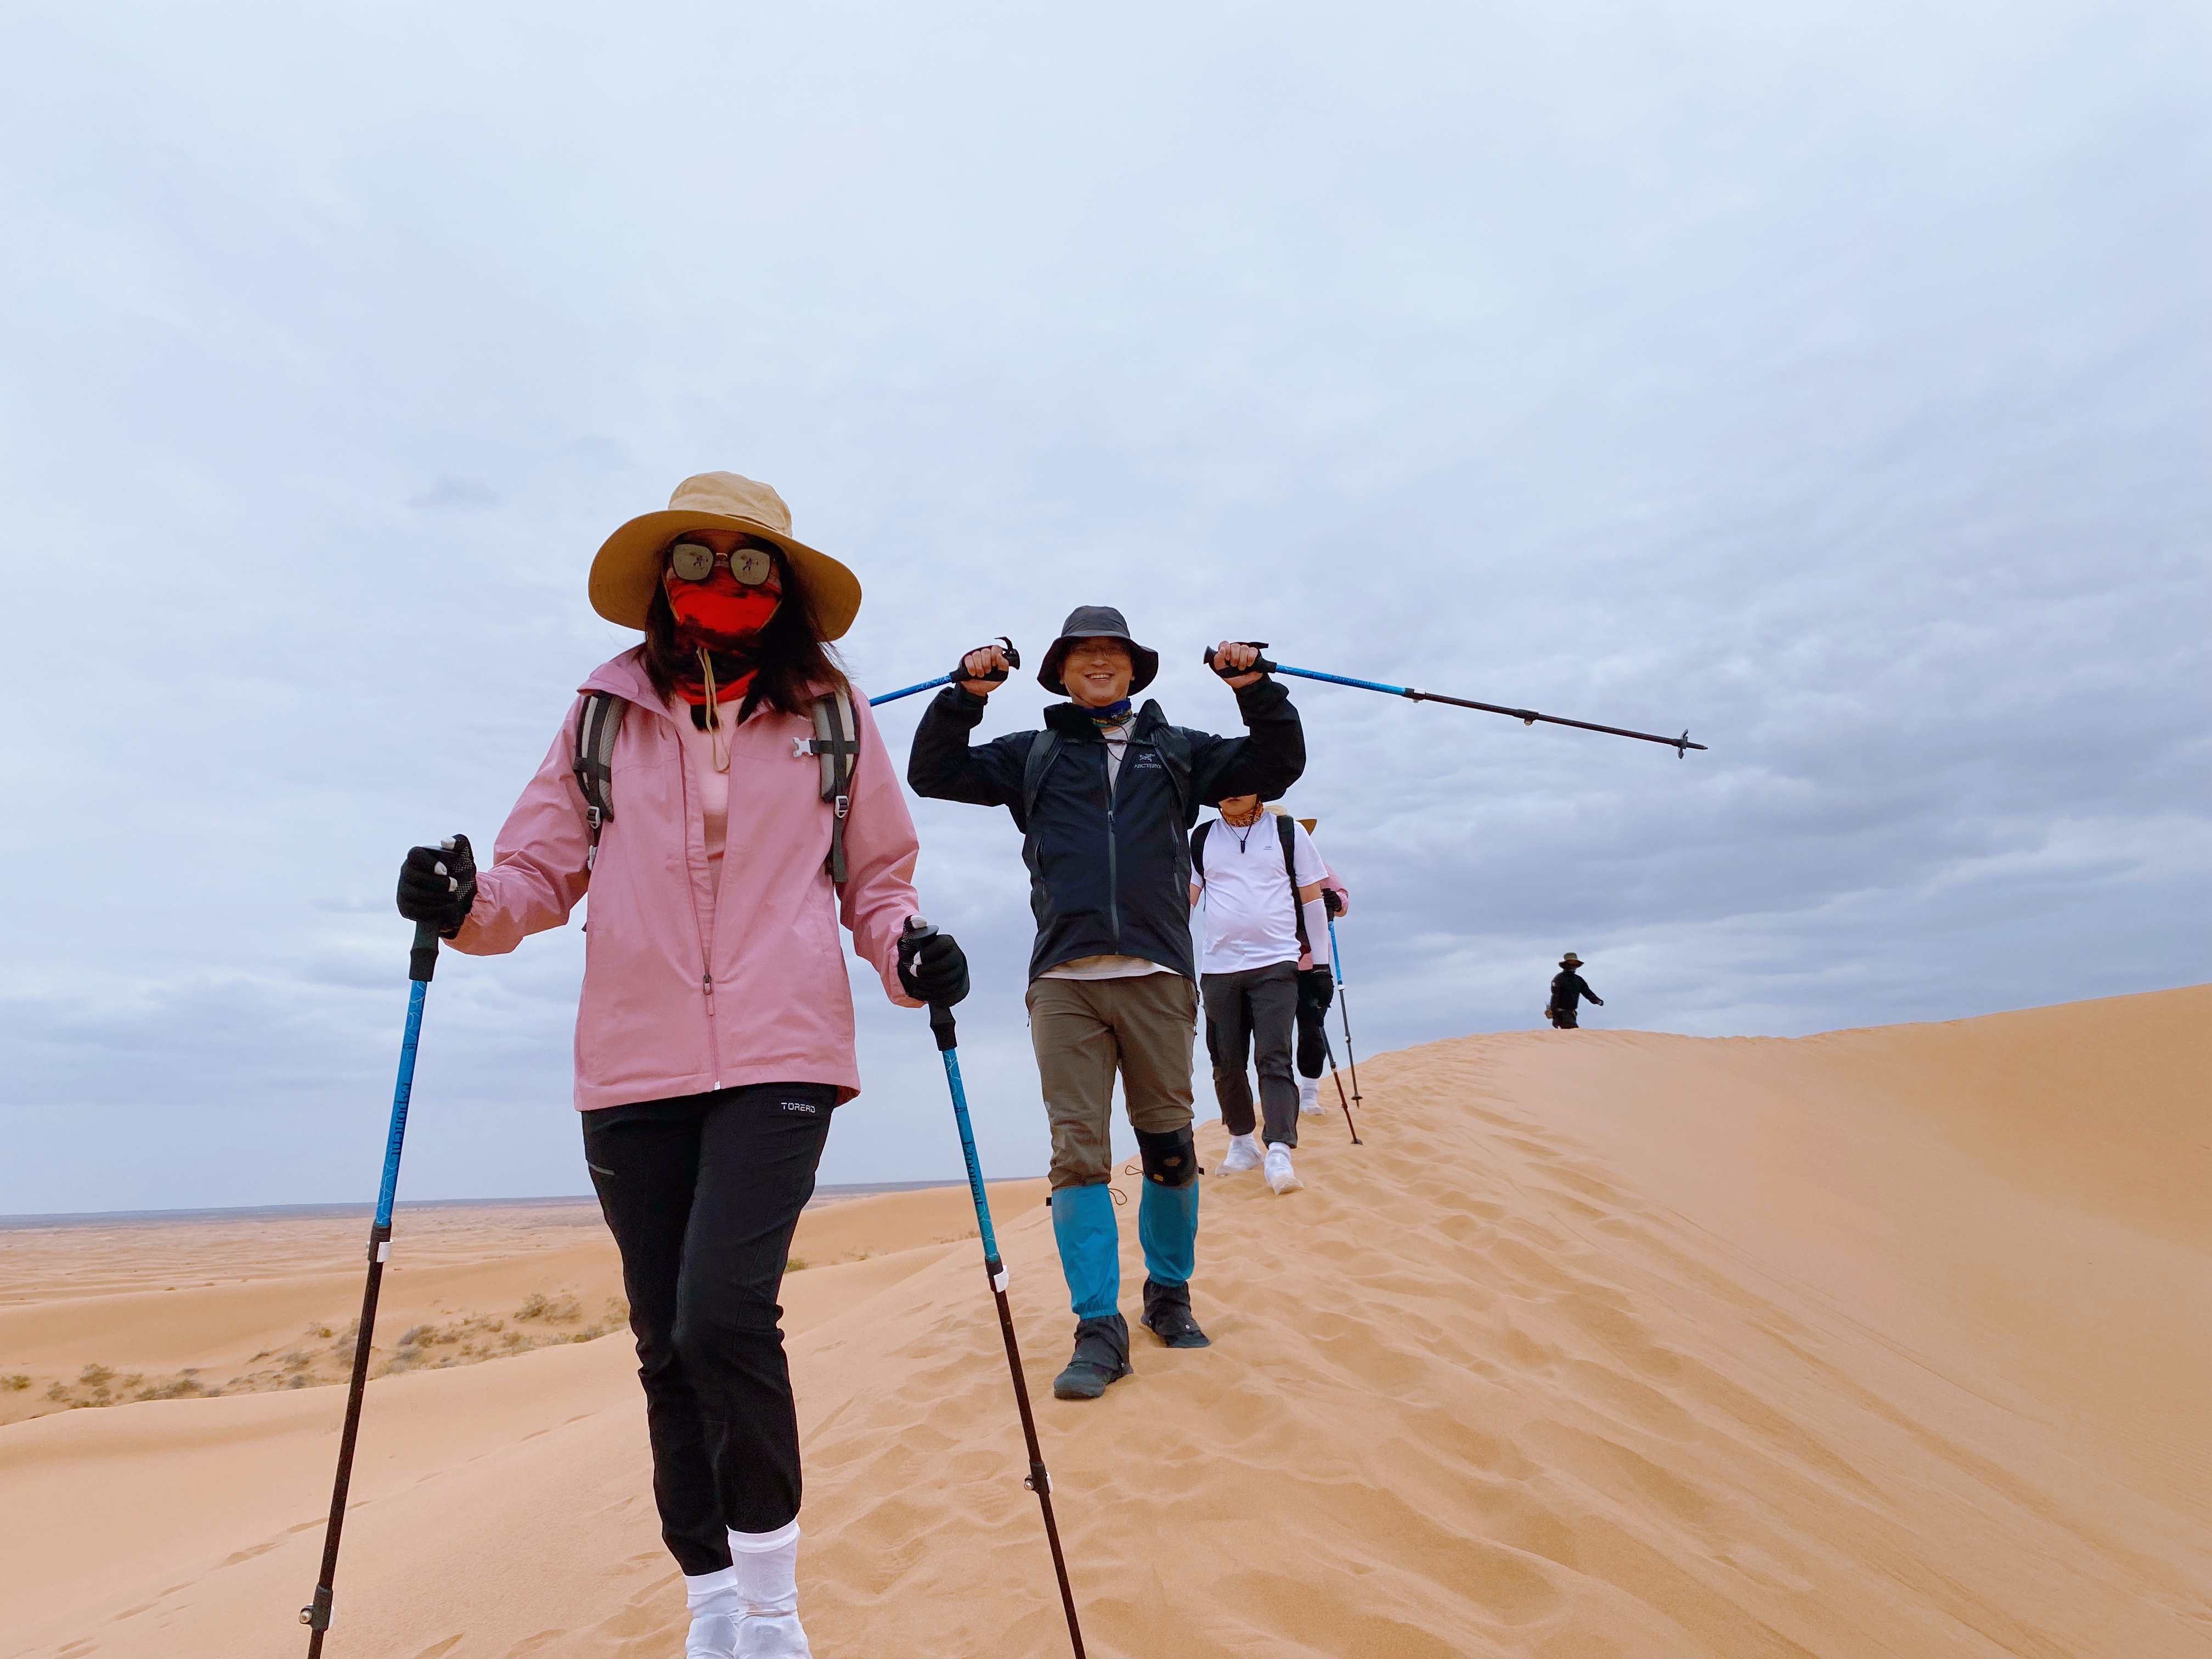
(437, 884)
(932, 969)
(1331, 901)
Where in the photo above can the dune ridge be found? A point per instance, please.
(1607, 1344)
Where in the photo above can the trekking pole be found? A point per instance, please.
(941, 1027)
(1005, 645)
(1526, 716)
(422, 963)
(1344, 1008)
(1338, 1081)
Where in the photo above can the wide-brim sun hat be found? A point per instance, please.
(1571, 960)
(626, 568)
(1095, 622)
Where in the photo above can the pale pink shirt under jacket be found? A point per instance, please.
(687, 989)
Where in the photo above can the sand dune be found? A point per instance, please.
(1606, 1344)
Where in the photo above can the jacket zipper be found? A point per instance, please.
(706, 956)
(1113, 859)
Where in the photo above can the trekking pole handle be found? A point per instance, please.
(997, 676)
(941, 1013)
(422, 955)
(1259, 665)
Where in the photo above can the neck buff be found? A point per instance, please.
(717, 623)
(1112, 715)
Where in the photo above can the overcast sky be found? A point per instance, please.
(1830, 378)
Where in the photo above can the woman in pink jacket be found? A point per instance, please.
(715, 1036)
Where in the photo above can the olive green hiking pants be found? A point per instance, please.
(1086, 1030)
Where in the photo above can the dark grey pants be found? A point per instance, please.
(1254, 1013)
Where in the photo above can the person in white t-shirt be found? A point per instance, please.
(1255, 875)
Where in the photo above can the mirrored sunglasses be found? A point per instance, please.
(694, 562)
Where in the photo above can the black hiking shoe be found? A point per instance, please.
(1102, 1356)
(1167, 1314)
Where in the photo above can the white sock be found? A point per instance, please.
(1309, 1092)
(767, 1569)
(712, 1593)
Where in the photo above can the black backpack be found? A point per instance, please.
(1288, 831)
(836, 741)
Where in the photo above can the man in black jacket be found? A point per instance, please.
(1567, 985)
(1105, 799)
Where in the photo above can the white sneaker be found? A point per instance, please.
(772, 1636)
(1243, 1153)
(713, 1636)
(1280, 1175)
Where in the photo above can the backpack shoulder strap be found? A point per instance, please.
(1198, 849)
(1044, 748)
(1288, 830)
(837, 744)
(593, 761)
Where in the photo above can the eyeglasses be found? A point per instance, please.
(694, 562)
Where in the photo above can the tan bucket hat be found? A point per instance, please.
(628, 567)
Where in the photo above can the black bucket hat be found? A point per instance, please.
(1095, 622)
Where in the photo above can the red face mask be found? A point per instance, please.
(720, 613)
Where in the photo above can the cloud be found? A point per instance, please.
(1838, 400)
(453, 494)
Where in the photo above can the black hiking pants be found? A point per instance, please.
(1316, 990)
(702, 1193)
(1254, 1013)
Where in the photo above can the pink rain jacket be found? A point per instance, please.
(686, 990)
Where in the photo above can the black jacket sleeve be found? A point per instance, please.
(942, 765)
(1266, 763)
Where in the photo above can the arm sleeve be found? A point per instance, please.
(1316, 933)
(538, 871)
(1334, 882)
(944, 767)
(880, 850)
(1265, 762)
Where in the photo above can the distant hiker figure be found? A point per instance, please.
(1256, 874)
(1104, 798)
(1567, 985)
(1317, 982)
(714, 1036)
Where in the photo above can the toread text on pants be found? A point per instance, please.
(702, 1193)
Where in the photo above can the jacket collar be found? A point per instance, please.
(1072, 721)
(625, 677)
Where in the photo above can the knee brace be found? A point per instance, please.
(1170, 1155)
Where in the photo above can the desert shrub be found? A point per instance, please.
(94, 1375)
(319, 1331)
(557, 1310)
(57, 1390)
(796, 1264)
(14, 1382)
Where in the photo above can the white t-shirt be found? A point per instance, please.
(1247, 895)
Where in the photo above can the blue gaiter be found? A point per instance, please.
(1089, 1248)
(1167, 1227)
